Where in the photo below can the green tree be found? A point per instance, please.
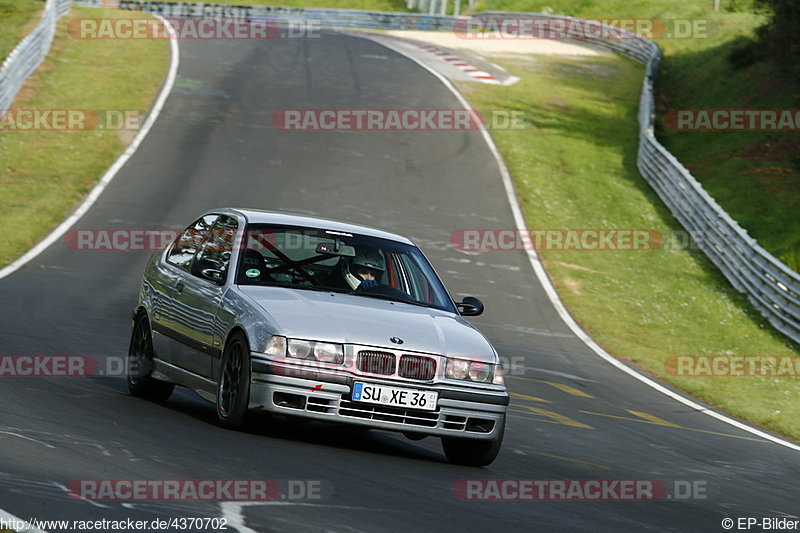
(779, 36)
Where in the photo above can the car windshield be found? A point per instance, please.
(326, 260)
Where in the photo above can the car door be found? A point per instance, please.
(170, 274)
(196, 300)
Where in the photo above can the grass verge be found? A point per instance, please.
(754, 176)
(45, 174)
(574, 167)
(17, 19)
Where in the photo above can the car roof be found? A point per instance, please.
(258, 216)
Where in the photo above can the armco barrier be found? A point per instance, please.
(327, 18)
(771, 286)
(29, 53)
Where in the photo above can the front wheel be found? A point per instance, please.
(473, 452)
(233, 387)
(140, 364)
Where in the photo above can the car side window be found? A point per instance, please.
(189, 241)
(416, 281)
(215, 251)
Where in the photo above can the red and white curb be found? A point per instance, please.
(456, 61)
(462, 64)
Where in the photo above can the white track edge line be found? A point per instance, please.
(552, 295)
(508, 186)
(112, 171)
(89, 201)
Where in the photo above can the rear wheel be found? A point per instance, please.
(140, 364)
(473, 452)
(233, 387)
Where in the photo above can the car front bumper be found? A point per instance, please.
(460, 412)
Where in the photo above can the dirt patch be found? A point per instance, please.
(769, 170)
(493, 47)
(785, 182)
(578, 267)
(782, 149)
(777, 148)
(573, 285)
(559, 104)
(770, 86)
(126, 135)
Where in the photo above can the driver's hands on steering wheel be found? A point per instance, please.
(368, 283)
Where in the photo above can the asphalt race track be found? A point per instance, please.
(573, 415)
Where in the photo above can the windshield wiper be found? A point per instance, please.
(389, 298)
(317, 288)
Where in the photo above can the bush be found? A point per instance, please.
(779, 35)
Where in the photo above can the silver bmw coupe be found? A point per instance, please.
(313, 318)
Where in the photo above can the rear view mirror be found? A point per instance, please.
(470, 306)
(335, 248)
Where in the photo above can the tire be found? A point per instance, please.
(473, 452)
(233, 386)
(140, 364)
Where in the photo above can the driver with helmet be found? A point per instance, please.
(364, 270)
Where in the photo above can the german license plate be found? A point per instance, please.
(395, 396)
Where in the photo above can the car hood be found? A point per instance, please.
(349, 319)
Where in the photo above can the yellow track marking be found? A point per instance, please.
(579, 462)
(529, 397)
(675, 426)
(569, 390)
(652, 418)
(560, 386)
(551, 417)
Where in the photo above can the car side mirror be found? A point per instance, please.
(470, 306)
(207, 269)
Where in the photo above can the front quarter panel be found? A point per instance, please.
(146, 288)
(238, 310)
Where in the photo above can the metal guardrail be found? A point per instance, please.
(326, 18)
(26, 57)
(772, 287)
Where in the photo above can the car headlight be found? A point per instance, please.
(328, 353)
(300, 349)
(480, 372)
(457, 368)
(276, 346)
(476, 371)
(324, 352)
